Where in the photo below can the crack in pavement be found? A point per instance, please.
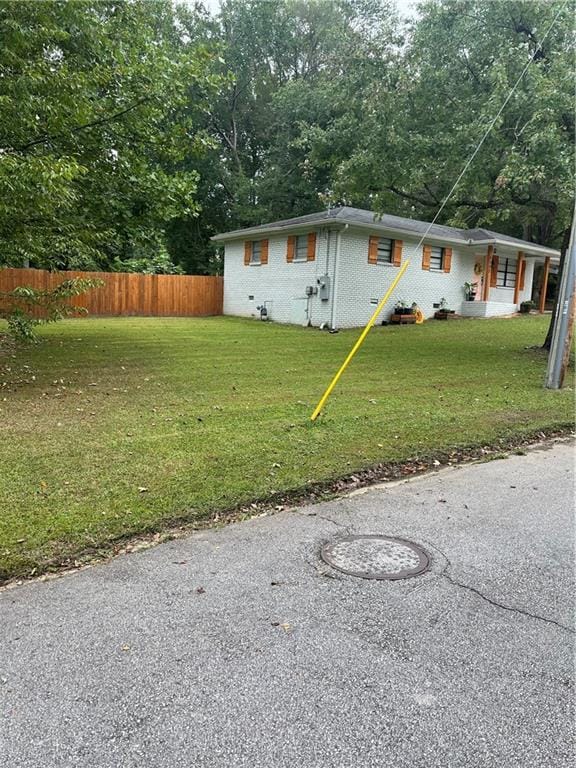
(341, 526)
(445, 574)
(510, 608)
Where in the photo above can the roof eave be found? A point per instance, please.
(522, 246)
(241, 234)
(333, 223)
(337, 223)
(405, 232)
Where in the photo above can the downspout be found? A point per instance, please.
(335, 275)
(310, 302)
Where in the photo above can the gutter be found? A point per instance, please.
(335, 224)
(341, 224)
(241, 234)
(406, 232)
(520, 246)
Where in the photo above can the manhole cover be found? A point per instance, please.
(376, 557)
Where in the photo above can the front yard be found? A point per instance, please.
(116, 427)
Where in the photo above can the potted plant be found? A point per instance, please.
(527, 306)
(443, 313)
(470, 291)
(401, 308)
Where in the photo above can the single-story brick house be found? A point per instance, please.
(332, 268)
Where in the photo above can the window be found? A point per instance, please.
(436, 258)
(506, 277)
(301, 248)
(255, 252)
(255, 257)
(385, 250)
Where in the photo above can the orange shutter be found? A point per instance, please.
(247, 251)
(373, 249)
(311, 252)
(397, 253)
(264, 252)
(426, 253)
(494, 271)
(447, 260)
(522, 273)
(290, 248)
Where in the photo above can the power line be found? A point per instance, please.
(492, 124)
(372, 320)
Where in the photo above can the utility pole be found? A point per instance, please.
(564, 320)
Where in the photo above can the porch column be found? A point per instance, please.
(544, 284)
(487, 273)
(518, 281)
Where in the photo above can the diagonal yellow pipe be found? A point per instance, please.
(360, 341)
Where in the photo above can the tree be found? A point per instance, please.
(463, 58)
(95, 119)
(284, 62)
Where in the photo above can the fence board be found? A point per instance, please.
(125, 293)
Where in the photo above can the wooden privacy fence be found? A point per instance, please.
(126, 293)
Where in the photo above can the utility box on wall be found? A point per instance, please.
(324, 287)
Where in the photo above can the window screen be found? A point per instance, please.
(436, 258)
(256, 251)
(385, 249)
(301, 249)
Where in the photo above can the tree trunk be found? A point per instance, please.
(563, 251)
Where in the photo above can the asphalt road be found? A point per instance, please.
(239, 647)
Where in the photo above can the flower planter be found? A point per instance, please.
(404, 319)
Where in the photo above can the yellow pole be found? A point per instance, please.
(359, 343)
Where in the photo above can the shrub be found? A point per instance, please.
(25, 307)
(526, 306)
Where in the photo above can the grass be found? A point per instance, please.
(208, 414)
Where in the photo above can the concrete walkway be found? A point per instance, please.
(239, 647)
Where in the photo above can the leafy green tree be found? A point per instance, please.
(100, 103)
(285, 62)
(462, 60)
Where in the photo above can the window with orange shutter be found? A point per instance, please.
(255, 252)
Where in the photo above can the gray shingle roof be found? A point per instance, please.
(488, 234)
(360, 217)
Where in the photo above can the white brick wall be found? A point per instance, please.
(486, 309)
(277, 282)
(358, 283)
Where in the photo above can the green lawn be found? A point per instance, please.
(208, 414)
